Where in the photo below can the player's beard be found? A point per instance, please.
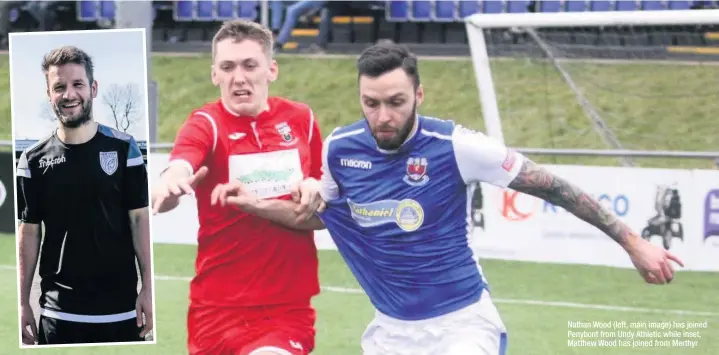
(395, 142)
(78, 120)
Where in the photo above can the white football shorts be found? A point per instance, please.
(474, 330)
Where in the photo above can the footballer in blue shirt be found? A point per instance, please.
(396, 198)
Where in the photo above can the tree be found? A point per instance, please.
(123, 102)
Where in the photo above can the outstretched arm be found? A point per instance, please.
(296, 214)
(652, 262)
(283, 212)
(487, 160)
(537, 181)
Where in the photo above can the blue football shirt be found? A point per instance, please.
(401, 219)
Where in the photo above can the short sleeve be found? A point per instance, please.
(329, 189)
(29, 193)
(195, 140)
(484, 159)
(134, 182)
(315, 143)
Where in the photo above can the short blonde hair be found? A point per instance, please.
(240, 30)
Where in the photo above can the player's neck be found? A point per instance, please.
(415, 127)
(78, 135)
(413, 131)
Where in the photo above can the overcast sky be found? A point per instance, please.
(118, 56)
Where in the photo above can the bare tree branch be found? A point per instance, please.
(113, 99)
(123, 102)
(130, 108)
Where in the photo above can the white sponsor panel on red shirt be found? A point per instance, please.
(267, 174)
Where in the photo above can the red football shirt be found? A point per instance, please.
(244, 260)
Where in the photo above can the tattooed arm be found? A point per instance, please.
(651, 261)
(482, 159)
(537, 181)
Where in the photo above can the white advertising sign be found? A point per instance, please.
(180, 225)
(522, 227)
(706, 215)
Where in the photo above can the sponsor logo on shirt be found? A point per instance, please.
(49, 162)
(261, 176)
(237, 135)
(407, 214)
(510, 160)
(109, 162)
(416, 172)
(357, 164)
(286, 133)
(296, 345)
(267, 175)
(466, 130)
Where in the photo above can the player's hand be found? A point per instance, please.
(233, 193)
(143, 305)
(166, 195)
(653, 262)
(28, 320)
(307, 195)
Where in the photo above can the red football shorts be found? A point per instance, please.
(284, 329)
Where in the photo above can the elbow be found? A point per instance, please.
(140, 216)
(139, 223)
(313, 224)
(316, 224)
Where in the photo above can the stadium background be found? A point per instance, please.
(536, 300)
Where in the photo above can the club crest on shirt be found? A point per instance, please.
(416, 171)
(109, 162)
(286, 133)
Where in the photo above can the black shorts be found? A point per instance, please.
(55, 331)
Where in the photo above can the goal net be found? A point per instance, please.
(638, 80)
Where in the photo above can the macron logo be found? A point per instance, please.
(296, 345)
(237, 135)
(47, 163)
(357, 164)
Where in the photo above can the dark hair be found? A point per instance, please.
(385, 57)
(68, 55)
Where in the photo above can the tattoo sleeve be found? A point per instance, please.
(537, 181)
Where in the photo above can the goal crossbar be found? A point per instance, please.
(598, 18)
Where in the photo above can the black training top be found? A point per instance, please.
(82, 193)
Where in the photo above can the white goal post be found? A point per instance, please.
(476, 24)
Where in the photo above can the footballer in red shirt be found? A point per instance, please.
(257, 267)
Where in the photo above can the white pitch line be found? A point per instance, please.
(495, 300)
